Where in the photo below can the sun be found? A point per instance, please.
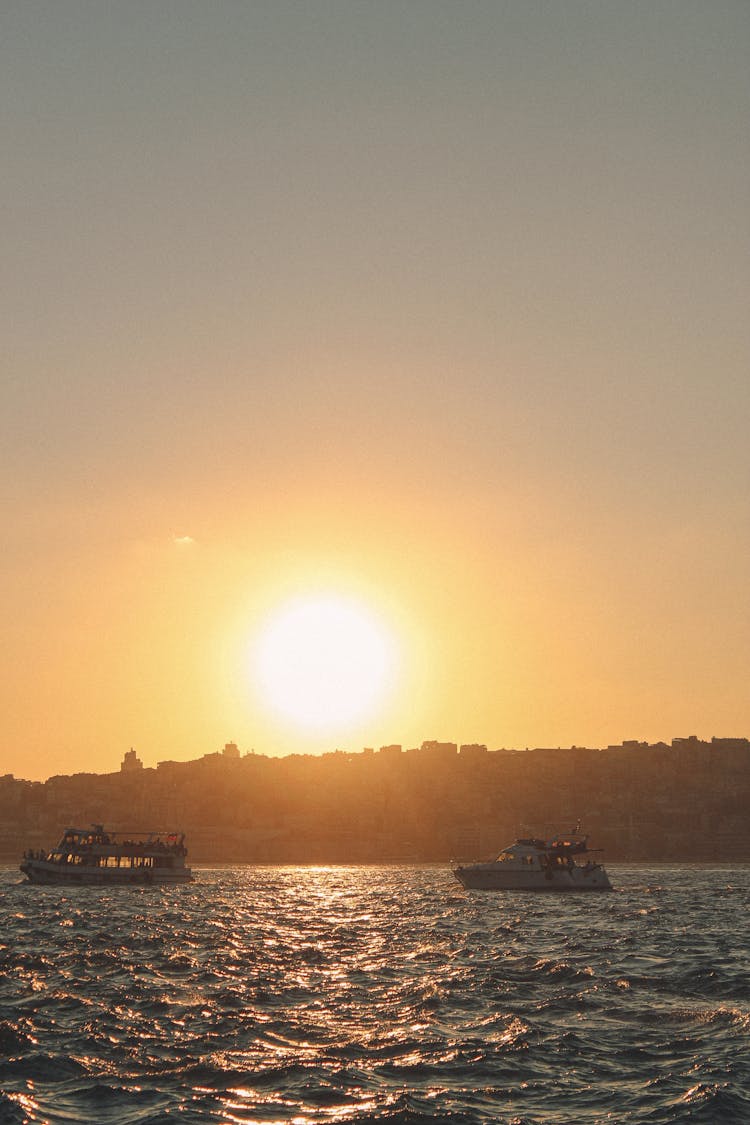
(324, 663)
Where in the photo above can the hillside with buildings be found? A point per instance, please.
(688, 800)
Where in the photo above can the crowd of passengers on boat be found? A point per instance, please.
(72, 847)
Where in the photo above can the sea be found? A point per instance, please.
(376, 994)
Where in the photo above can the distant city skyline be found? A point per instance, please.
(434, 313)
(434, 802)
(133, 761)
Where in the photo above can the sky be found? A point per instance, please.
(438, 309)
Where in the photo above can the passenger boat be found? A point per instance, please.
(95, 856)
(538, 865)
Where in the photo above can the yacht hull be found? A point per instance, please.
(488, 877)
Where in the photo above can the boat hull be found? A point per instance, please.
(492, 877)
(42, 873)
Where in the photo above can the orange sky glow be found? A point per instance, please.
(435, 312)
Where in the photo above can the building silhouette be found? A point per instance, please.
(688, 800)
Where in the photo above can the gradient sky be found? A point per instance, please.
(441, 305)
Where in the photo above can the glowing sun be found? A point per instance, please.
(324, 662)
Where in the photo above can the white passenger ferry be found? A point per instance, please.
(95, 856)
(538, 865)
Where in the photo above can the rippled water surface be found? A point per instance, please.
(369, 994)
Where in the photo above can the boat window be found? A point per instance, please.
(504, 857)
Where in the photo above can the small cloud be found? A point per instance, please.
(183, 540)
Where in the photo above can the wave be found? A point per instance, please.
(375, 995)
